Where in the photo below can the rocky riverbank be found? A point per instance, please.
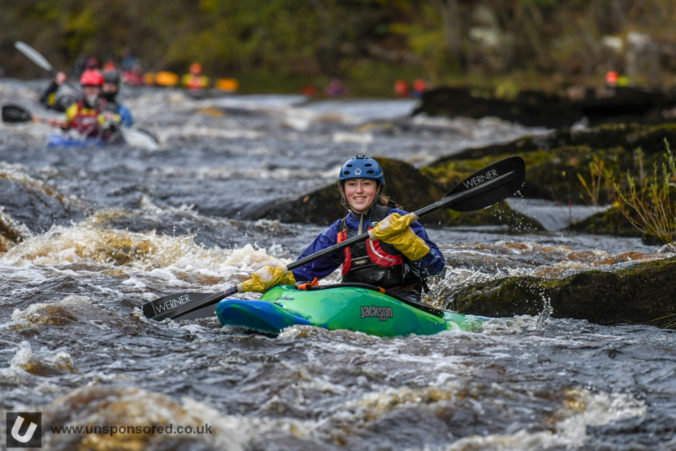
(641, 293)
(634, 131)
(592, 105)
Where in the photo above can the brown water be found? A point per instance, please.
(107, 229)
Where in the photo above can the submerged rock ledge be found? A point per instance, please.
(640, 294)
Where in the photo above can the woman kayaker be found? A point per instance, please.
(398, 257)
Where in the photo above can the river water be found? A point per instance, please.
(105, 230)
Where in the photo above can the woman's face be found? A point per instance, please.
(360, 193)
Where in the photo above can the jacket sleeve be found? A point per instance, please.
(48, 96)
(126, 119)
(71, 112)
(322, 266)
(433, 263)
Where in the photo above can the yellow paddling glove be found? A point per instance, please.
(266, 278)
(395, 230)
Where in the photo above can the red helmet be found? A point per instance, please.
(91, 77)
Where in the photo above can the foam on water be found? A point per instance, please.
(43, 363)
(580, 410)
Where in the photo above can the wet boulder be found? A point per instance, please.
(538, 108)
(530, 108)
(35, 205)
(405, 185)
(642, 293)
(608, 222)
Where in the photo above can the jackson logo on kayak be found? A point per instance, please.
(481, 178)
(373, 311)
(171, 304)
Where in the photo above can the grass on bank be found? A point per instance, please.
(649, 203)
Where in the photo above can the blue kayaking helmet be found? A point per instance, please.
(361, 167)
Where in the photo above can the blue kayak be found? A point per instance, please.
(341, 307)
(136, 137)
(61, 140)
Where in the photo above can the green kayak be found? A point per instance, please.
(351, 307)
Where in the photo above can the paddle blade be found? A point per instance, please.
(14, 114)
(138, 137)
(499, 180)
(165, 306)
(34, 55)
(184, 305)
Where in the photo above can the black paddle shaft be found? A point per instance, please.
(482, 189)
(480, 194)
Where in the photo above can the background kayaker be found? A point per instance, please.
(109, 91)
(194, 80)
(399, 257)
(87, 116)
(57, 96)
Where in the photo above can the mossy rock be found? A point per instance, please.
(650, 138)
(613, 222)
(608, 222)
(407, 186)
(555, 163)
(640, 294)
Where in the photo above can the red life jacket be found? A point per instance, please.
(84, 119)
(374, 262)
(374, 250)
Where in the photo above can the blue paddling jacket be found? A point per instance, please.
(126, 119)
(431, 264)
